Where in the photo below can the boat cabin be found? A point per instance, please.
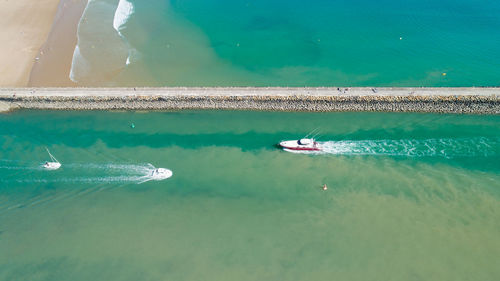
(306, 141)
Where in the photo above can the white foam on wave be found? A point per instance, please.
(94, 59)
(83, 66)
(122, 14)
(77, 56)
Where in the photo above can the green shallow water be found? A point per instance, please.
(410, 197)
(292, 43)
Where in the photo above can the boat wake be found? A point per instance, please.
(113, 167)
(76, 179)
(79, 173)
(444, 147)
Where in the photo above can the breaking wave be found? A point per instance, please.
(102, 50)
(123, 12)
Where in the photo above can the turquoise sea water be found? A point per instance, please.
(289, 43)
(410, 197)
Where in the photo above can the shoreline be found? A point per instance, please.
(25, 27)
(56, 54)
(437, 100)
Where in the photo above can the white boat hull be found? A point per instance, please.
(161, 174)
(52, 165)
(296, 145)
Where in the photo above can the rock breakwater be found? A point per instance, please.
(442, 100)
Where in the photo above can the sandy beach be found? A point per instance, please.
(25, 27)
(55, 57)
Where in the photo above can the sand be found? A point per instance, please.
(25, 26)
(54, 65)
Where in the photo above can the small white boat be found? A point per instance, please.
(160, 174)
(156, 174)
(305, 144)
(53, 164)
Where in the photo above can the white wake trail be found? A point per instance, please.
(441, 147)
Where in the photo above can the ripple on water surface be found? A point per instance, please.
(410, 196)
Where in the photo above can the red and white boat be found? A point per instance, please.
(304, 144)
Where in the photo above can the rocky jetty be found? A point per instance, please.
(5, 106)
(442, 100)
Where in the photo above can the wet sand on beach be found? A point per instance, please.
(54, 65)
(25, 27)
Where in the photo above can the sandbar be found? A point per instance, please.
(25, 27)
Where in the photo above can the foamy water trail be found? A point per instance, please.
(105, 179)
(8, 164)
(108, 173)
(101, 176)
(443, 147)
(142, 168)
(138, 168)
(20, 168)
